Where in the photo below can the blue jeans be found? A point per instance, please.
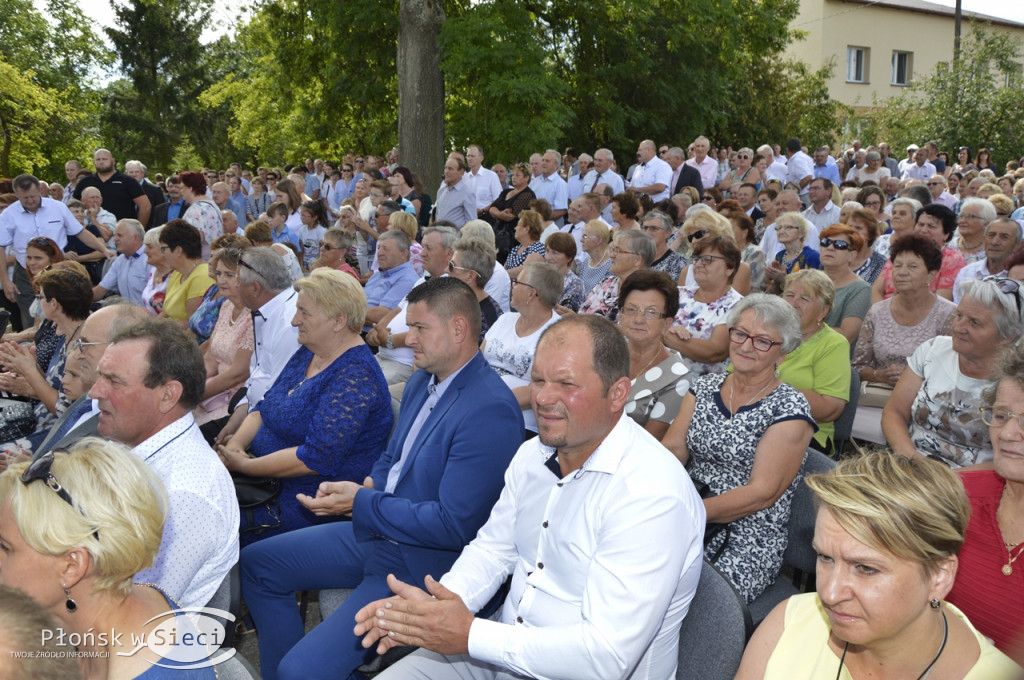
(314, 558)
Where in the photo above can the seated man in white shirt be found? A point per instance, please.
(150, 378)
(596, 590)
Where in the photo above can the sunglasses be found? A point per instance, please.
(41, 241)
(838, 245)
(1007, 287)
(700, 233)
(40, 469)
(452, 267)
(249, 267)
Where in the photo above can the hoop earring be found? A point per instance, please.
(934, 603)
(69, 604)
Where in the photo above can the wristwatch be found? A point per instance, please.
(390, 342)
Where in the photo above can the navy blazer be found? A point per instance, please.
(453, 475)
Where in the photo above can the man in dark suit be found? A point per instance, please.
(429, 492)
(173, 207)
(683, 175)
(137, 171)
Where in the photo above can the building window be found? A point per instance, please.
(902, 65)
(1015, 76)
(856, 64)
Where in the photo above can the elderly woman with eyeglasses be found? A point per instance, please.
(648, 301)
(511, 342)
(630, 251)
(742, 437)
(76, 528)
(473, 263)
(743, 173)
(791, 229)
(231, 341)
(989, 586)
(933, 409)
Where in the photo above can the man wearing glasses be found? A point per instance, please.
(937, 188)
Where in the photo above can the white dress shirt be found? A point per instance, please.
(200, 540)
(276, 341)
(654, 171)
(828, 216)
(609, 177)
(798, 166)
(553, 189)
(974, 271)
(708, 169)
(604, 562)
(51, 219)
(921, 172)
(485, 185)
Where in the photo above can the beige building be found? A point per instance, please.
(879, 46)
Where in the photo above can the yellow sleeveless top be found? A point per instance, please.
(803, 651)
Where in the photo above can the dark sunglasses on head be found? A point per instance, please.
(838, 245)
(39, 469)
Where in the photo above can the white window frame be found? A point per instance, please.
(857, 56)
(908, 68)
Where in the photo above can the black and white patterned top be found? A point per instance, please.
(722, 456)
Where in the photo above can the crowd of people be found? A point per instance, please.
(483, 406)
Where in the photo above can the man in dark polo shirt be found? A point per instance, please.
(122, 195)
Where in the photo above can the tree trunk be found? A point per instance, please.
(421, 90)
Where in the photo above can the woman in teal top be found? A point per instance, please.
(820, 367)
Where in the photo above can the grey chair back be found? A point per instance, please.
(844, 424)
(715, 630)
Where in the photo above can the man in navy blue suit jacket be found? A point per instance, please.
(429, 492)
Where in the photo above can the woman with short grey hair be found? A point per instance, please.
(511, 342)
(742, 437)
(933, 409)
(473, 263)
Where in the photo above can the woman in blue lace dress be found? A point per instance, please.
(743, 437)
(328, 415)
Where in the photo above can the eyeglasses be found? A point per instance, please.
(249, 267)
(515, 282)
(968, 216)
(700, 233)
(328, 247)
(785, 227)
(759, 342)
(936, 184)
(742, 156)
(706, 260)
(359, 161)
(649, 314)
(452, 267)
(80, 343)
(662, 152)
(40, 469)
(615, 250)
(652, 227)
(994, 417)
(838, 245)
(1007, 287)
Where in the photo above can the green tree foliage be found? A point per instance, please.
(50, 62)
(969, 105)
(166, 69)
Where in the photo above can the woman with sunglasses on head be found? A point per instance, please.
(508, 205)
(742, 437)
(230, 345)
(989, 586)
(933, 410)
(839, 245)
(40, 253)
(76, 527)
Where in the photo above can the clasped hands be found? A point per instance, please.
(435, 619)
(333, 498)
(19, 361)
